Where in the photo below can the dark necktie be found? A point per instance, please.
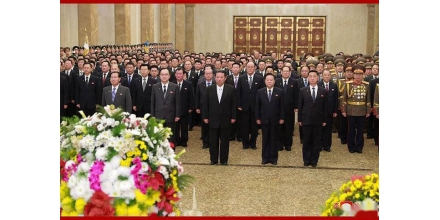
(313, 94)
(129, 80)
(285, 86)
(87, 80)
(113, 94)
(209, 84)
(250, 82)
(103, 79)
(305, 82)
(235, 81)
(179, 86)
(326, 86)
(164, 91)
(144, 83)
(269, 94)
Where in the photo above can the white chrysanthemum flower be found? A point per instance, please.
(163, 170)
(159, 152)
(64, 123)
(79, 191)
(84, 167)
(128, 194)
(89, 157)
(115, 161)
(100, 127)
(123, 171)
(125, 185)
(163, 161)
(72, 182)
(144, 167)
(116, 123)
(79, 129)
(101, 153)
(173, 162)
(107, 187)
(113, 175)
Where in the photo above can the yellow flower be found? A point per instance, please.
(73, 213)
(137, 152)
(130, 154)
(349, 194)
(357, 195)
(358, 183)
(79, 205)
(352, 188)
(152, 197)
(140, 197)
(64, 190)
(126, 162)
(177, 211)
(64, 213)
(372, 193)
(133, 210)
(343, 196)
(144, 156)
(67, 204)
(121, 209)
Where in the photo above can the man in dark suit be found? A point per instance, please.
(374, 85)
(130, 75)
(165, 102)
(312, 116)
(88, 91)
(194, 78)
(301, 83)
(269, 113)
(370, 121)
(117, 94)
(290, 103)
(105, 75)
(199, 100)
(332, 101)
(187, 106)
(233, 81)
(219, 112)
(71, 75)
(141, 92)
(64, 96)
(247, 88)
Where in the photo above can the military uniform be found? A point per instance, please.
(341, 123)
(356, 105)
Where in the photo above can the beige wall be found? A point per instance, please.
(346, 28)
(106, 24)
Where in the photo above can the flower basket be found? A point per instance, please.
(359, 196)
(114, 164)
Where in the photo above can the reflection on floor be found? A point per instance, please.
(246, 188)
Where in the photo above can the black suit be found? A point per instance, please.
(219, 115)
(142, 98)
(300, 84)
(107, 79)
(290, 103)
(269, 113)
(194, 78)
(370, 120)
(375, 125)
(236, 127)
(312, 115)
(332, 106)
(88, 95)
(246, 99)
(71, 80)
(64, 95)
(133, 79)
(199, 100)
(186, 103)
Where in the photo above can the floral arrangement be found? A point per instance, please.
(360, 193)
(114, 164)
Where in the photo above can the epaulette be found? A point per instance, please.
(349, 82)
(377, 85)
(342, 80)
(365, 82)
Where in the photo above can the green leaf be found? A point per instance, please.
(116, 131)
(184, 181)
(122, 178)
(111, 153)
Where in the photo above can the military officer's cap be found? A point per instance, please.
(312, 61)
(367, 56)
(368, 65)
(307, 55)
(339, 62)
(376, 60)
(358, 69)
(96, 47)
(321, 57)
(337, 57)
(327, 55)
(75, 47)
(329, 60)
(361, 60)
(269, 60)
(348, 67)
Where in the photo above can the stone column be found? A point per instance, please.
(122, 24)
(180, 28)
(189, 28)
(147, 23)
(165, 23)
(371, 32)
(376, 28)
(88, 21)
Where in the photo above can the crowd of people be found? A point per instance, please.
(231, 96)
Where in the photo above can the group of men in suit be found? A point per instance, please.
(229, 102)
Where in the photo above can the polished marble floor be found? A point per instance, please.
(247, 188)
